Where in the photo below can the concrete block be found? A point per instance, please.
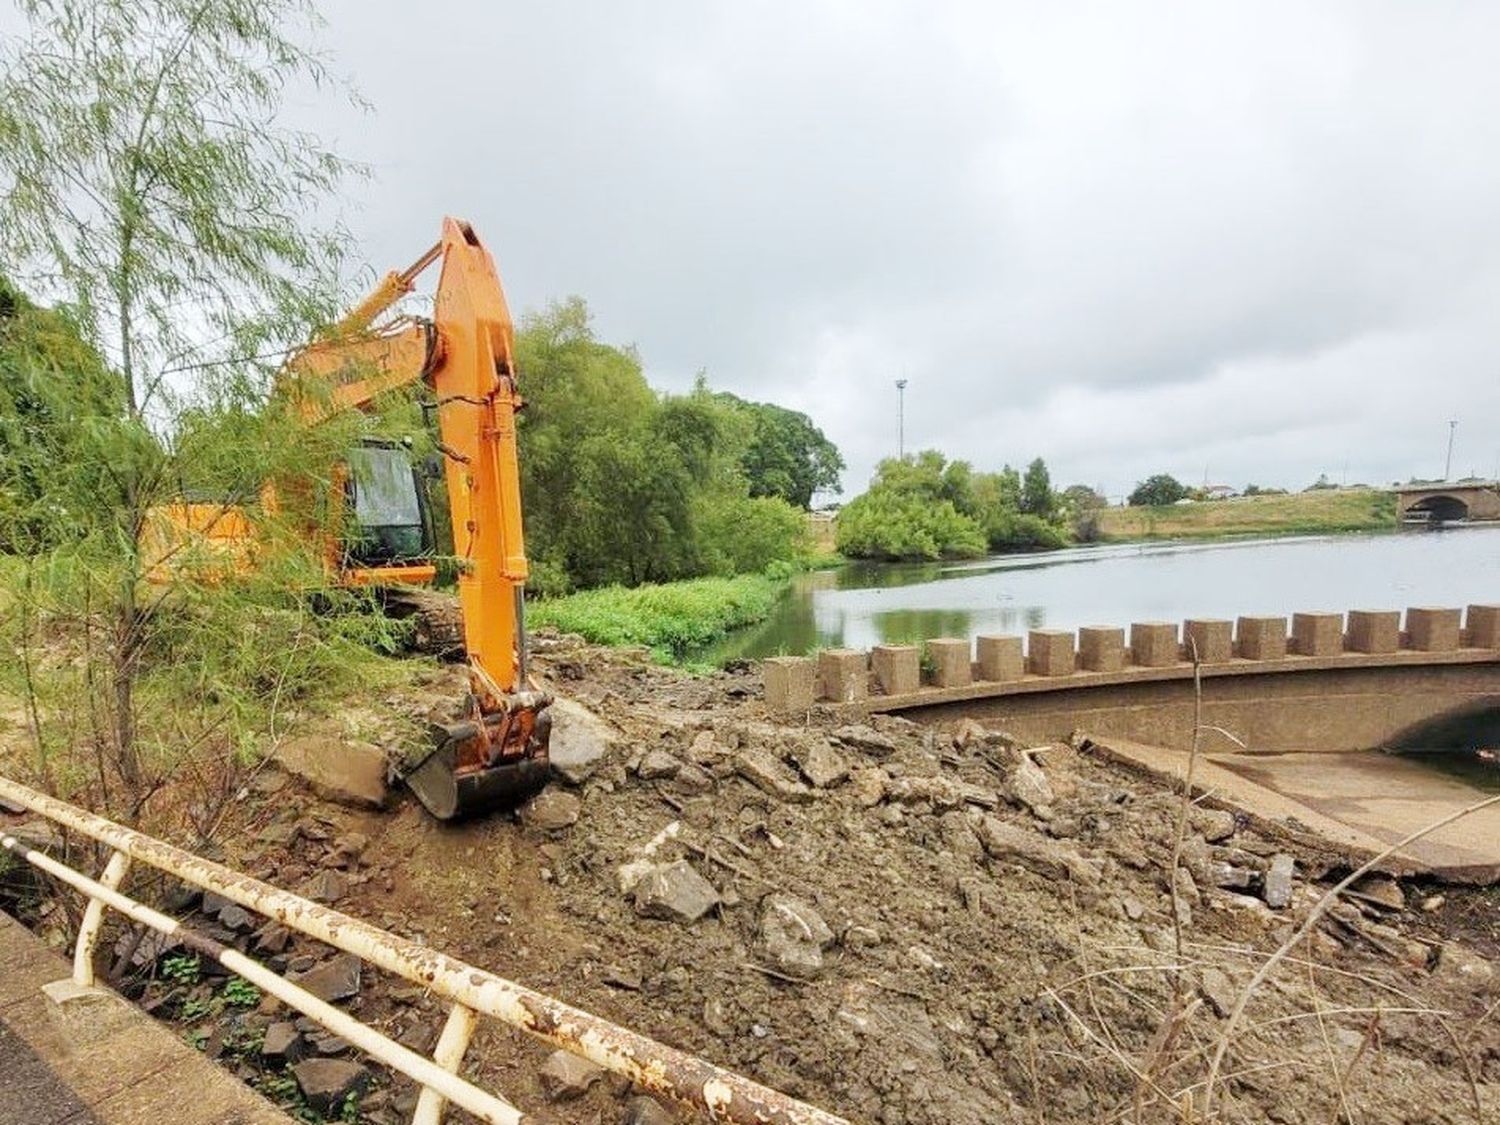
(790, 682)
(1213, 638)
(1101, 648)
(348, 771)
(1000, 658)
(1433, 629)
(1261, 638)
(1049, 652)
(1317, 634)
(843, 674)
(1153, 644)
(1483, 626)
(1374, 630)
(898, 668)
(952, 661)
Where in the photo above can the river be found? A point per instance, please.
(864, 604)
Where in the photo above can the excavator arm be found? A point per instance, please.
(497, 750)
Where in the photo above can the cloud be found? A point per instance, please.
(1255, 238)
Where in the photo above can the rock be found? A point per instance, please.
(641, 1110)
(1227, 875)
(236, 917)
(820, 764)
(1216, 987)
(272, 938)
(283, 1044)
(1464, 968)
(657, 764)
(327, 1083)
(343, 770)
(328, 887)
(279, 834)
(941, 792)
(693, 779)
(579, 743)
(794, 935)
(1380, 890)
(1278, 882)
(565, 1076)
(329, 1044)
(770, 777)
(1214, 825)
(866, 738)
(1028, 786)
(337, 979)
(1013, 844)
(551, 810)
(868, 785)
(349, 847)
(674, 892)
(214, 904)
(1433, 903)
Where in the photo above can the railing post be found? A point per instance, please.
(93, 921)
(448, 1054)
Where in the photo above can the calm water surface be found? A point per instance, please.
(861, 605)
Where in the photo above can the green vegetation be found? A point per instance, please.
(1304, 513)
(671, 619)
(624, 486)
(1157, 492)
(926, 507)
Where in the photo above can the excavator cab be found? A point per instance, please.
(389, 516)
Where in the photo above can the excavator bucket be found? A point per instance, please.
(478, 765)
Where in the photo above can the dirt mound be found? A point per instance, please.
(899, 923)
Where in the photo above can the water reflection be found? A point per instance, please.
(861, 605)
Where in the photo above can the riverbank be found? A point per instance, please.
(1323, 512)
(671, 618)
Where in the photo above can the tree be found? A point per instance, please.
(1156, 491)
(786, 454)
(1036, 490)
(916, 508)
(150, 185)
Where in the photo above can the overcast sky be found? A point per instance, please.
(1252, 242)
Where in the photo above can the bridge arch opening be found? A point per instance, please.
(1439, 509)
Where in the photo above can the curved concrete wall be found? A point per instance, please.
(1324, 681)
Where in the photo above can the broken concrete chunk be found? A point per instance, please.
(866, 738)
(868, 785)
(327, 887)
(657, 763)
(283, 1044)
(551, 810)
(1214, 825)
(1219, 991)
(641, 1110)
(328, 1083)
(1278, 883)
(674, 892)
(1013, 844)
(343, 770)
(818, 762)
(579, 742)
(1028, 786)
(1380, 890)
(565, 1076)
(770, 776)
(794, 935)
(337, 979)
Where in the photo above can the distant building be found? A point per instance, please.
(1218, 492)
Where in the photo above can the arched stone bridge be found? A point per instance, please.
(1479, 500)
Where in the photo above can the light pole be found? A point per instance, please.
(1448, 464)
(901, 419)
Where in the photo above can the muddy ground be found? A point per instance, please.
(897, 923)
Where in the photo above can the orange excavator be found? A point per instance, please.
(378, 530)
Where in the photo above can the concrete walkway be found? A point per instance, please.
(1359, 803)
(98, 1059)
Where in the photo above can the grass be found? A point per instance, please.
(671, 619)
(1300, 513)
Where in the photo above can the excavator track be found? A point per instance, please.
(437, 621)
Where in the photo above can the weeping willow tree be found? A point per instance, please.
(152, 191)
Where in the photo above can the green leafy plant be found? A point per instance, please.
(240, 993)
(180, 968)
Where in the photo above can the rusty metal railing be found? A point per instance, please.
(693, 1082)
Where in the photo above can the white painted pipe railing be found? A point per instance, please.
(720, 1094)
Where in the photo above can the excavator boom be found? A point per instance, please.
(496, 750)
